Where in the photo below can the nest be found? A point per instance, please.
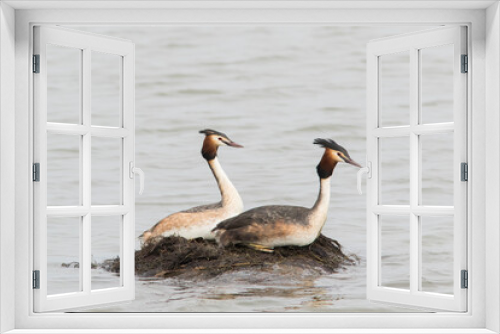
(199, 258)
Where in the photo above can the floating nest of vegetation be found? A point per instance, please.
(199, 258)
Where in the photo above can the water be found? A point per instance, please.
(272, 89)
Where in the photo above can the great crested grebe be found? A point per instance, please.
(199, 221)
(267, 227)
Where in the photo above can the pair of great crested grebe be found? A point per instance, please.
(262, 228)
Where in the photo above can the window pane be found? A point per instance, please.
(437, 84)
(394, 166)
(63, 84)
(106, 89)
(437, 254)
(63, 255)
(437, 169)
(394, 90)
(106, 246)
(63, 169)
(395, 251)
(106, 170)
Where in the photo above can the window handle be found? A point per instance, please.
(365, 170)
(134, 170)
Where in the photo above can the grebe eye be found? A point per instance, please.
(220, 138)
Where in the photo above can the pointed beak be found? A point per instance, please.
(354, 163)
(233, 144)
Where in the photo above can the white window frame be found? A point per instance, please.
(483, 20)
(86, 44)
(414, 211)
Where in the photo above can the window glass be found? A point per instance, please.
(394, 165)
(106, 89)
(395, 251)
(437, 84)
(437, 169)
(63, 84)
(437, 254)
(106, 171)
(63, 169)
(63, 255)
(106, 248)
(394, 89)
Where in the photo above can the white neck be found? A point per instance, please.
(320, 209)
(229, 194)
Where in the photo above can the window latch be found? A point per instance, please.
(365, 170)
(134, 170)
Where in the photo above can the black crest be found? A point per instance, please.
(209, 132)
(331, 144)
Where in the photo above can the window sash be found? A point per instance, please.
(414, 296)
(86, 296)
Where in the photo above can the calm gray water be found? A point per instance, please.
(272, 89)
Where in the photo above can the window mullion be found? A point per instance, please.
(127, 267)
(414, 170)
(86, 178)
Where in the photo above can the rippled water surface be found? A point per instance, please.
(272, 89)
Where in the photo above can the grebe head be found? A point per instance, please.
(334, 153)
(214, 139)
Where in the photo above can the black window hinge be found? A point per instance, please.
(465, 279)
(36, 279)
(464, 171)
(465, 64)
(36, 63)
(36, 172)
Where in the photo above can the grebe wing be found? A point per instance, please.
(195, 209)
(265, 215)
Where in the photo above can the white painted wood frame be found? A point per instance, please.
(483, 17)
(85, 43)
(413, 44)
